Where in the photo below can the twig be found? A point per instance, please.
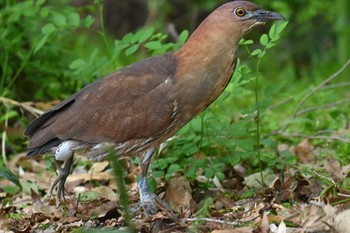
(327, 131)
(333, 76)
(336, 138)
(280, 103)
(3, 142)
(329, 105)
(343, 195)
(341, 84)
(325, 177)
(313, 91)
(210, 220)
(25, 105)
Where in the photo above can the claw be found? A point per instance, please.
(60, 181)
(151, 203)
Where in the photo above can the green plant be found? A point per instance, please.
(31, 47)
(123, 52)
(219, 137)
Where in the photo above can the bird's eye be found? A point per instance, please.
(240, 12)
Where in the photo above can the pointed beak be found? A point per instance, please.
(263, 16)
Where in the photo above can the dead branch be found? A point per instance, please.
(313, 91)
(333, 76)
(325, 106)
(333, 138)
(325, 177)
(25, 105)
(331, 86)
(210, 220)
(280, 103)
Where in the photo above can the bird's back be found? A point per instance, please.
(132, 104)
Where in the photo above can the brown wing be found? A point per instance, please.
(135, 102)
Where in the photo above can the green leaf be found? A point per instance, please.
(73, 19)
(248, 42)
(48, 29)
(235, 160)
(132, 49)
(272, 90)
(153, 45)
(183, 37)
(264, 104)
(9, 175)
(209, 172)
(88, 21)
(220, 176)
(272, 31)
(276, 38)
(270, 45)
(261, 54)
(88, 196)
(76, 64)
(12, 189)
(8, 115)
(204, 207)
(256, 52)
(173, 168)
(60, 20)
(144, 35)
(44, 12)
(27, 187)
(128, 37)
(152, 184)
(264, 40)
(281, 27)
(41, 43)
(39, 2)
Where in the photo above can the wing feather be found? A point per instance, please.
(134, 102)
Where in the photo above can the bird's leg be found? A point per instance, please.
(61, 180)
(145, 194)
(149, 201)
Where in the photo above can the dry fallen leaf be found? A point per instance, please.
(106, 192)
(99, 166)
(236, 230)
(88, 176)
(334, 168)
(342, 222)
(304, 151)
(179, 194)
(254, 180)
(282, 228)
(264, 227)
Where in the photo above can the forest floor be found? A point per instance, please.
(287, 202)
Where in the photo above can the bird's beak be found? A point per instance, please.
(263, 16)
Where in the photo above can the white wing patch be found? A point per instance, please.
(65, 150)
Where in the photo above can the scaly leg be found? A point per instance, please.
(149, 201)
(61, 180)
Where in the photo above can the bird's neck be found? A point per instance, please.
(205, 65)
(209, 47)
(209, 53)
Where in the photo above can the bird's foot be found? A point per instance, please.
(60, 182)
(152, 204)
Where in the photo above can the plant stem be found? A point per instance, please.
(19, 71)
(103, 32)
(257, 118)
(118, 172)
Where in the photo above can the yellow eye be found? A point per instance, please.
(240, 12)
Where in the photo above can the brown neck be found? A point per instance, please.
(208, 47)
(205, 64)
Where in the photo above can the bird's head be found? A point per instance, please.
(239, 17)
(223, 29)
